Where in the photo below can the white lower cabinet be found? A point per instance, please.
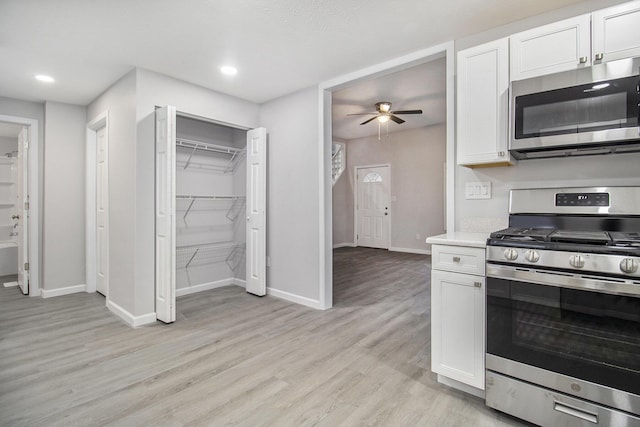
(458, 322)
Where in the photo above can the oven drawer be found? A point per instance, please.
(549, 408)
(458, 259)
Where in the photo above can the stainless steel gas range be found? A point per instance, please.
(563, 308)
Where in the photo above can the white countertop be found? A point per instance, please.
(460, 238)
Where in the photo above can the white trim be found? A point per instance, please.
(295, 298)
(461, 386)
(130, 319)
(344, 245)
(355, 201)
(325, 257)
(207, 286)
(34, 200)
(98, 122)
(410, 250)
(50, 293)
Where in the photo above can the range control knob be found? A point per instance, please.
(532, 256)
(510, 254)
(576, 261)
(629, 265)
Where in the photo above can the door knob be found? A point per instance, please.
(248, 219)
(15, 216)
(386, 213)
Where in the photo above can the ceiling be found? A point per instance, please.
(278, 46)
(422, 87)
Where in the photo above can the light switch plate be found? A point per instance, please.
(477, 190)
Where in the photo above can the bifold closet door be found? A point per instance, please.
(256, 256)
(165, 257)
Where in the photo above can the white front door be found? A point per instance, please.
(21, 212)
(256, 212)
(165, 257)
(102, 200)
(372, 207)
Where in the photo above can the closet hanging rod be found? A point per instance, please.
(205, 146)
(193, 197)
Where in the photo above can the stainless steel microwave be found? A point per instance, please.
(592, 110)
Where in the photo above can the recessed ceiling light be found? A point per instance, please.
(44, 78)
(228, 70)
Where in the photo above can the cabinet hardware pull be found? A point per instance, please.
(456, 259)
(477, 284)
(583, 59)
(599, 56)
(501, 153)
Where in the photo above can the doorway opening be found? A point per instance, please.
(371, 143)
(19, 204)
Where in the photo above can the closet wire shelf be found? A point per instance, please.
(233, 155)
(234, 210)
(231, 253)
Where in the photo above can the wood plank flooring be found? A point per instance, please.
(236, 359)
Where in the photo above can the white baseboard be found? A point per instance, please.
(461, 386)
(410, 250)
(295, 298)
(130, 319)
(344, 245)
(50, 293)
(10, 284)
(240, 282)
(205, 287)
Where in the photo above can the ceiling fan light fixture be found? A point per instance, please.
(383, 118)
(383, 107)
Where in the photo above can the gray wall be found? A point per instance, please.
(342, 190)
(64, 196)
(417, 158)
(293, 193)
(120, 101)
(598, 170)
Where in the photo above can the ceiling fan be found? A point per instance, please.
(383, 113)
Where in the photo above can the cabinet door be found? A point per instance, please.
(616, 32)
(457, 327)
(552, 48)
(482, 100)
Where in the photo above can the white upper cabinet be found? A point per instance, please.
(482, 104)
(556, 47)
(604, 35)
(616, 32)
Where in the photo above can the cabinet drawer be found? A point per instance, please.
(458, 259)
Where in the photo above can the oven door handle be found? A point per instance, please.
(575, 412)
(564, 280)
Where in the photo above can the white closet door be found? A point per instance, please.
(256, 211)
(21, 210)
(165, 214)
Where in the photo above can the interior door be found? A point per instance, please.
(256, 212)
(21, 212)
(373, 207)
(165, 257)
(102, 198)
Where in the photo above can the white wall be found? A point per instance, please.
(417, 158)
(120, 101)
(596, 170)
(341, 191)
(64, 196)
(293, 196)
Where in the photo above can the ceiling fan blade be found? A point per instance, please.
(360, 114)
(398, 120)
(407, 112)
(367, 121)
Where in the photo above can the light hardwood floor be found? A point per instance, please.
(235, 359)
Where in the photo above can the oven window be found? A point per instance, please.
(582, 334)
(585, 108)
